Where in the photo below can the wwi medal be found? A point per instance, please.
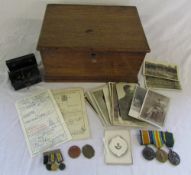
(161, 155)
(148, 153)
(145, 139)
(173, 157)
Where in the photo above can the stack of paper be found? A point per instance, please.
(160, 75)
(127, 104)
(50, 118)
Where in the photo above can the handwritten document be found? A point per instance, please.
(72, 106)
(42, 122)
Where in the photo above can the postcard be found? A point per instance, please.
(160, 83)
(154, 108)
(137, 102)
(160, 70)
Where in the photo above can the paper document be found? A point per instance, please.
(71, 103)
(42, 122)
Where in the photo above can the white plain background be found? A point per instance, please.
(167, 24)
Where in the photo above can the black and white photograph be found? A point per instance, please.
(161, 83)
(154, 108)
(125, 94)
(137, 102)
(161, 70)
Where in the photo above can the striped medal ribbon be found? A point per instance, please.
(161, 155)
(145, 139)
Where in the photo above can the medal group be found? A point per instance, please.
(158, 139)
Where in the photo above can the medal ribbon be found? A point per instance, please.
(168, 139)
(157, 139)
(145, 137)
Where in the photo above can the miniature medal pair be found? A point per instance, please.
(54, 160)
(159, 138)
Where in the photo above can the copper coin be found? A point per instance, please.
(74, 151)
(88, 151)
(161, 155)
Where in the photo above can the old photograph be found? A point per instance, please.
(137, 102)
(166, 71)
(125, 94)
(160, 83)
(101, 103)
(154, 108)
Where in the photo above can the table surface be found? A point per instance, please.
(167, 27)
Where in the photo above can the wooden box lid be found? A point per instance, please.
(88, 27)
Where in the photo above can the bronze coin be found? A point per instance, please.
(161, 156)
(88, 151)
(54, 167)
(74, 151)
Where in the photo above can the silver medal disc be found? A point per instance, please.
(173, 157)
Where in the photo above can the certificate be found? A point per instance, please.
(71, 103)
(42, 122)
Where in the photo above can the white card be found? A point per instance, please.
(118, 146)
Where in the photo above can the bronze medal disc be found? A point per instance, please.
(88, 151)
(74, 152)
(54, 167)
(161, 156)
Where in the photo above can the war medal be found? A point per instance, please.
(148, 152)
(173, 157)
(161, 155)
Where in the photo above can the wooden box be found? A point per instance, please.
(92, 43)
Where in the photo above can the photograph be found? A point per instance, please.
(125, 94)
(161, 70)
(137, 102)
(154, 108)
(101, 103)
(160, 83)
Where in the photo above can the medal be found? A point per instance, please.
(146, 139)
(161, 155)
(148, 153)
(173, 157)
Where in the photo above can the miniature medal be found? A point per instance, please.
(161, 155)
(118, 146)
(173, 157)
(146, 139)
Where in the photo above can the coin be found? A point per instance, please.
(88, 151)
(161, 155)
(62, 166)
(148, 153)
(74, 151)
(173, 157)
(54, 167)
